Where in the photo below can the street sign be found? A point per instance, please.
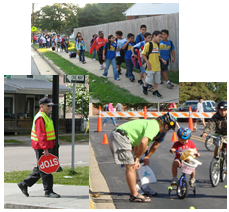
(34, 29)
(7, 76)
(74, 79)
(48, 164)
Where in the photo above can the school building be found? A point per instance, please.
(143, 10)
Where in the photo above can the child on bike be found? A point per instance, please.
(182, 145)
(219, 121)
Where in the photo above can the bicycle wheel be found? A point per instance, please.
(209, 144)
(182, 190)
(223, 167)
(214, 172)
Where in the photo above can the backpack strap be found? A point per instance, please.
(170, 51)
(140, 37)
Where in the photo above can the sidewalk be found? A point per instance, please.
(169, 95)
(72, 197)
(42, 65)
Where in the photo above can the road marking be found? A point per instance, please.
(198, 138)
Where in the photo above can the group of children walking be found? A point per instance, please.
(54, 42)
(150, 53)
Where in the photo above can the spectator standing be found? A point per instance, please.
(110, 109)
(200, 109)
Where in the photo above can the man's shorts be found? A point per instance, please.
(164, 67)
(118, 61)
(121, 148)
(153, 77)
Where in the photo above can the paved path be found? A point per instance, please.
(169, 95)
(207, 197)
(72, 197)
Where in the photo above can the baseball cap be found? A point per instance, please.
(45, 101)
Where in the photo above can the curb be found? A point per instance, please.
(54, 67)
(21, 206)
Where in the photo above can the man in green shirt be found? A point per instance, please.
(138, 133)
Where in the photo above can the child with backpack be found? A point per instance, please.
(92, 41)
(140, 37)
(66, 43)
(109, 55)
(140, 47)
(99, 43)
(166, 48)
(40, 42)
(58, 43)
(119, 41)
(81, 47)
(151, 54)
(127, 49)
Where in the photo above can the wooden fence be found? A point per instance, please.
(170, 22)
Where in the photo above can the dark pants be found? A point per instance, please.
(129, 71)
(47, 179)
(81, 55)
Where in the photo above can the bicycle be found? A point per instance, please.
(183, 184)
(218, 166)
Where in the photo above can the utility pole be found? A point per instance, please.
(33, 15)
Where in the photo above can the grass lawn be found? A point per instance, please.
(80, 176)
(68, 138)
(13, 141)
(99, 88)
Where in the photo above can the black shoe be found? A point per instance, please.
(157, 94)
(52, 194)
(144, 90)
(140, 82)
(23, 189)
(161, 81)
(132, 79)
(170, 85)
(119, 72)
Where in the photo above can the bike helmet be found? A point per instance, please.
(170, 120)
(184, 133)
(222, 105)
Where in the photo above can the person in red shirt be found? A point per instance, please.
(41, 147)
(99, 43)
(182, 145)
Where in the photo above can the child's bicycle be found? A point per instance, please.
(182, 187)
(218, 166)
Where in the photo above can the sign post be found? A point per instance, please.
(73, 79)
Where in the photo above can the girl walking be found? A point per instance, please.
(81, 48)
(109, 54)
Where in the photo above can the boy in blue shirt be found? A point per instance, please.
(140, 37)
(129, 65)
(166, 46)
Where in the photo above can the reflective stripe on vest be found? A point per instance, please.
(49, 128)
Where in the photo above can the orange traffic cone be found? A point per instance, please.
(99, 122)
(190, 121)
(105, 140)
(145, 112)
(174, 137)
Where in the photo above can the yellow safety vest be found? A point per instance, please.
(49, 128)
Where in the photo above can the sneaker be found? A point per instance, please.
(161, 81)
(192, 182)
(104, 125)
(94, 59)
(117, 79)
(150, 87)
(144, 90)
(170, 85)
(174, 181)
(119, 72)
(84, 62)
(104, 76)
(140, 82)
(148, 191)
(116, 125)
(157, 94)
(52, 194)
(23, 189)
(101, 67)
(132, 79)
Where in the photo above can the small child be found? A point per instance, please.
(81, 47)
(40, 41)
(92, 41)
(119, 41)
(109, 55)
(58, 43)
(129, 65)
(66, 43)
(140, 37)
(182, 145)
(153, 64)
(166, 46)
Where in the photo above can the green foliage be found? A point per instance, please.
(194, 90)
(82, 94)
(219, 89)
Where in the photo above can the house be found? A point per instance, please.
(21, 96)
(142, 10)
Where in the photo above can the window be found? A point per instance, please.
(29, 76)
(8, 105)
(136, 17)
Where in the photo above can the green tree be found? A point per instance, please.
(57, 17)
(194, 90)
(219, 89)
(82, 94)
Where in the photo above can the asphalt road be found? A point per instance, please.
(207, 197)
